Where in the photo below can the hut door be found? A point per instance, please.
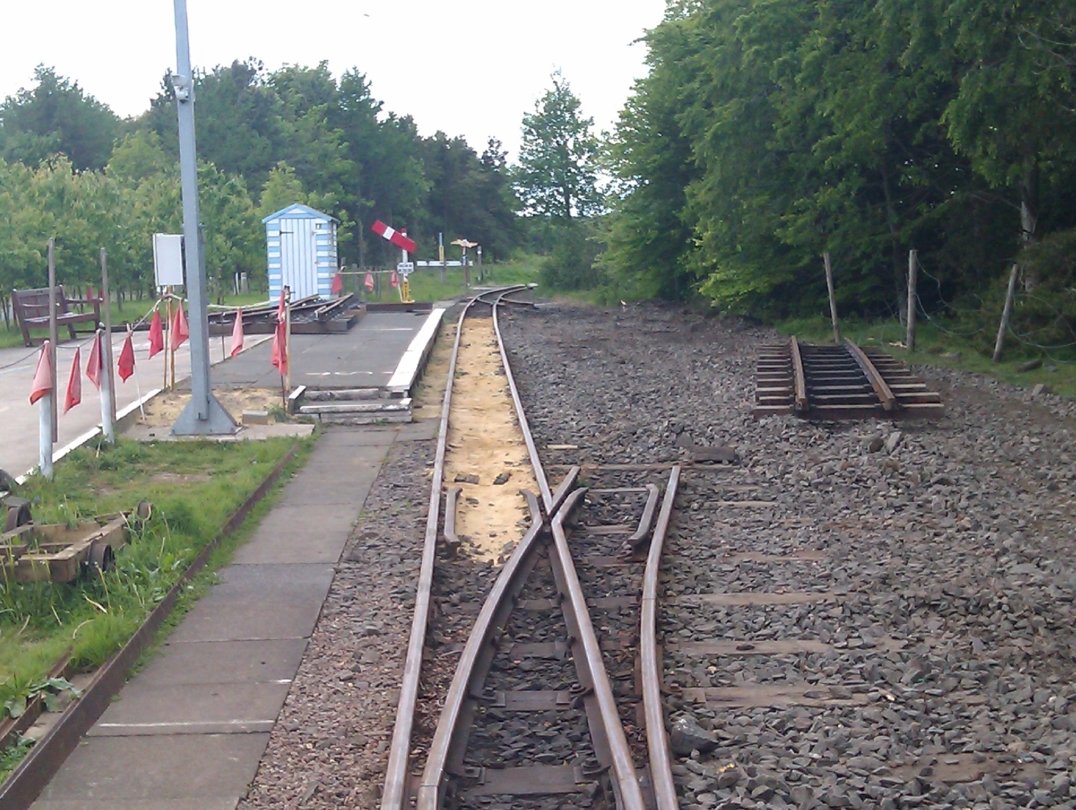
(298, 257)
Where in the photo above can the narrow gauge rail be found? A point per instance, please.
(445, 771)
(616, 533)
(838, 382)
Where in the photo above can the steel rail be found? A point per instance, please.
(524, 426)
(639, 535)
(881, 388)
(607, 730)
(657, 736)
(473, 665)
(394, 796)
(802, 403)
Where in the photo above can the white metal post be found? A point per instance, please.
(108, 426)
(45, 435)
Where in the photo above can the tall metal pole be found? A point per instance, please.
(203, 415)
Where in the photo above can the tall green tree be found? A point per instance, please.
(56, 116)
(558, 157)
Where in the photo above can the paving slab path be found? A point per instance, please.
(189, 730)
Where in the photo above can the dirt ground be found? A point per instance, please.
(163, 409)
(484, 446)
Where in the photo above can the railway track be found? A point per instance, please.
(838, 382)
(545, 706)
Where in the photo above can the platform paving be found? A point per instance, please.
(364, 357)
(189, 730)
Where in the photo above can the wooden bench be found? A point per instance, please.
(32, 311)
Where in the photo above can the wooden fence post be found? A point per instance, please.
(913, 270)
(832, 297)
(1006, 313)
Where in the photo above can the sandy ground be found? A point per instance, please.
(163, 409)
(484, 444)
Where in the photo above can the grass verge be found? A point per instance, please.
(195, 488)
(426, 283)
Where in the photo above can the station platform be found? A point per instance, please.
(189, 729)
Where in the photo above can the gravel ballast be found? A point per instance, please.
(941, 560)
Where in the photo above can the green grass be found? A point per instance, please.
(426, 284)
(194, 487)
(935, 347)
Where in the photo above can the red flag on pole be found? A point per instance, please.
(42, 383)
(179, 329)
(338, 284)
(74, 383)
(237, 334)
(368, 282)
(280, 348)
(282, 308)
(156, 334)
(126, 364)
(394, 280)
(95, 362)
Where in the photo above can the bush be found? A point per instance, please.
(571, 264)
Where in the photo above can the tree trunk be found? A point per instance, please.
(1029, 212)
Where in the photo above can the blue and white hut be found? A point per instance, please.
(301, 246)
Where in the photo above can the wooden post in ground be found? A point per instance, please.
(106, 302)
(167, 324)
(52, 333)
(832, 298)
(913, 270)
(1006, 313)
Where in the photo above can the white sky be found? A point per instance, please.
(466, 67)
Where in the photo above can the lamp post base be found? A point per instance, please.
(217, 422)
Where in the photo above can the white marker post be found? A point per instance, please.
(45, 436)
(108, 426)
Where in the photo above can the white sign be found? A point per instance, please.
(405, 268)
(168, 259)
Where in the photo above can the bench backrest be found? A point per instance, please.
(35, 303)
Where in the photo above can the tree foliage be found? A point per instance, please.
(769, 132)
(70, 169)
(56, 117)
(558, 157)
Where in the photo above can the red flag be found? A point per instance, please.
(42, 383)
(280, 349)
(178, 329)
(394, 280)
(368, 282)
(156, 334)
(74, 383)
(90, 294)
(237, 334)
(282, 308)
(125, 365)
(338, 284)
(95, 362)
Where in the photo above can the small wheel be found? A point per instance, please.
(138, 519)
(101, 559)
(144, 510)
(17, 515)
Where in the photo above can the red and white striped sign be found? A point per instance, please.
(396, 237)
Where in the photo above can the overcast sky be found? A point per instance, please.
(466, 67)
